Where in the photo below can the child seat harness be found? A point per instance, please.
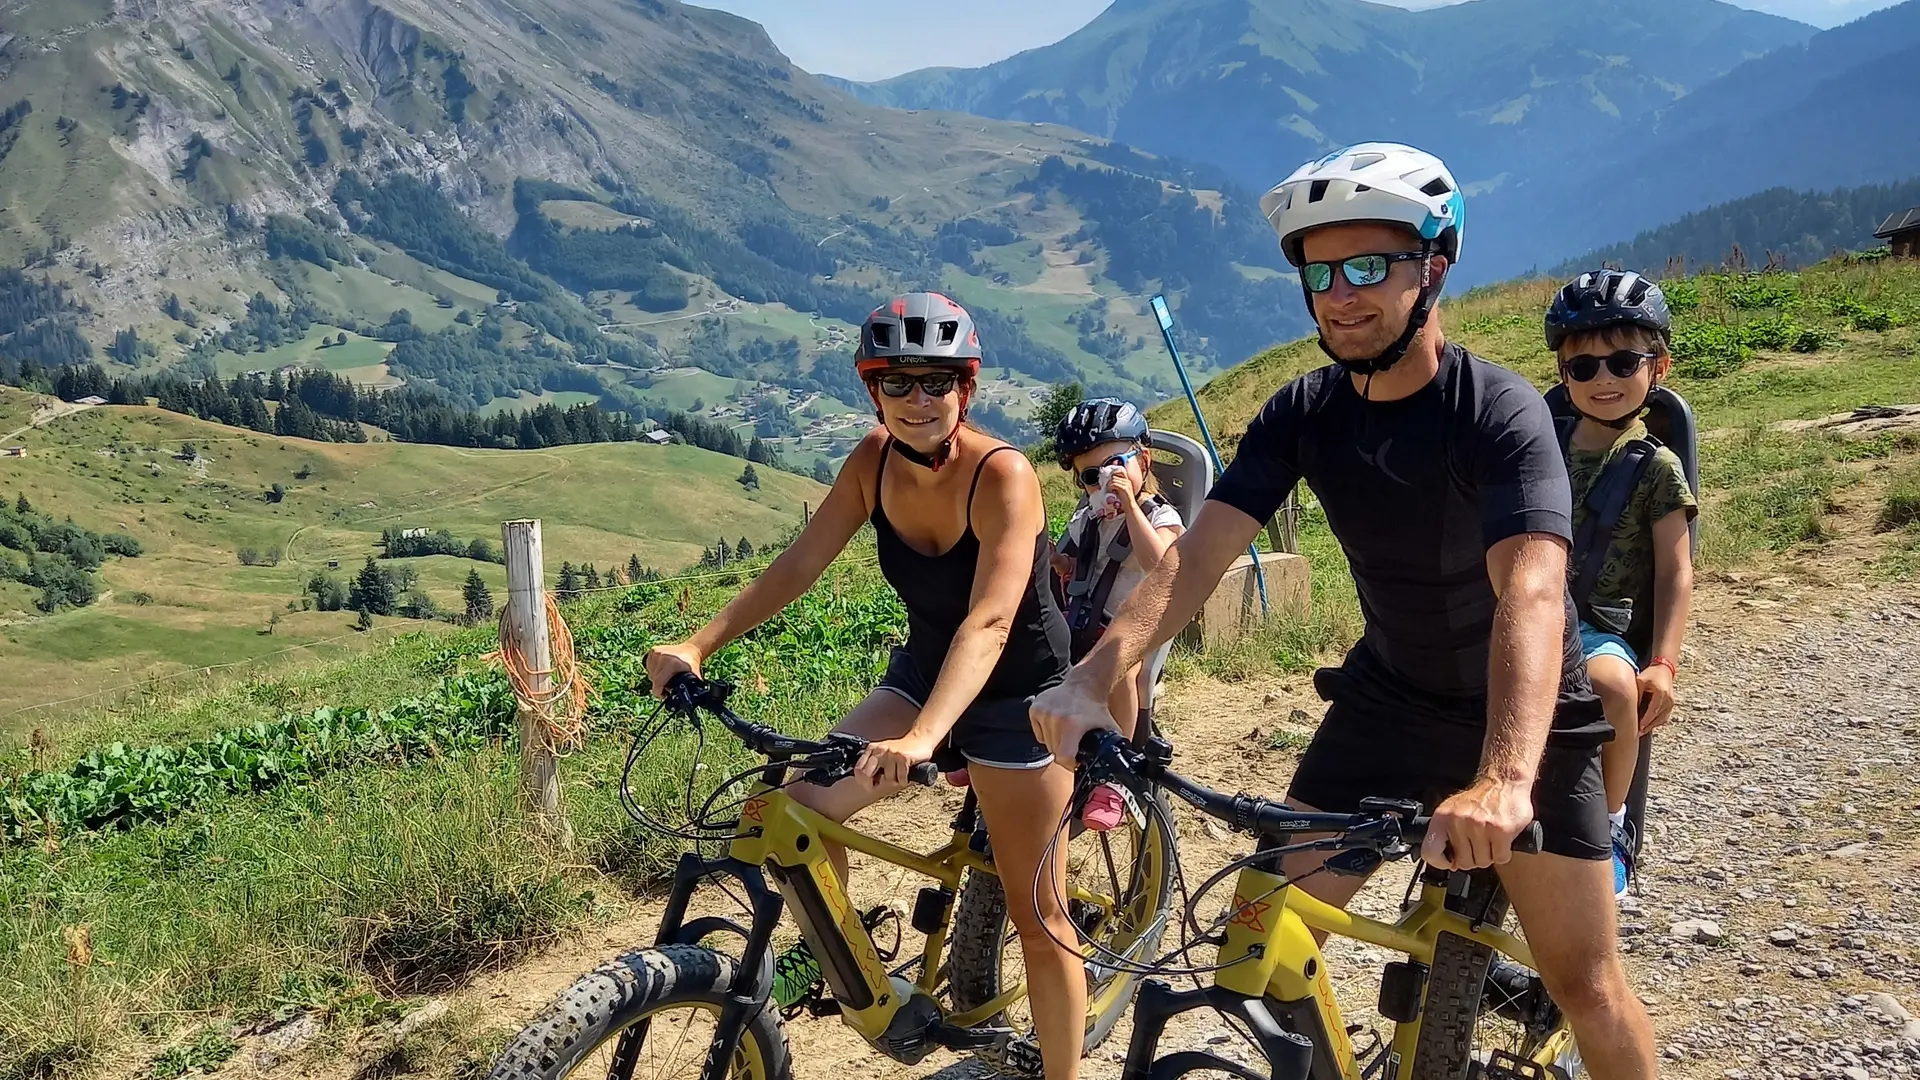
(1606, 502)
(1086, 598)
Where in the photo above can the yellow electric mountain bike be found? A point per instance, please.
(684, 1008)
(1458, 1009)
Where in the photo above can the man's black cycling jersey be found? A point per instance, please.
(1417, 491)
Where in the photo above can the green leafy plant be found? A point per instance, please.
(205, 1052)
(1709, 350)
(118, 786)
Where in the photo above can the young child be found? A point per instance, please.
(1610, 331)
(1113, 541)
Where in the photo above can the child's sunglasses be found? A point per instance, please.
(1090, 476)
(898, 384)
(1360, 270)
(1624, 364)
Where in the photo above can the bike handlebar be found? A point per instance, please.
(822, 761)
(1391, 828)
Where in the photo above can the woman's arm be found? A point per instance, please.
(1008, 517)
(1672, 597)
(791, 573)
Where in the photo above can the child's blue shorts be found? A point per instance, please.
(1595, 642)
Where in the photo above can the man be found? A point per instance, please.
(1442, 479)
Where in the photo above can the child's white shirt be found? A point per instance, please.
(1160, 514)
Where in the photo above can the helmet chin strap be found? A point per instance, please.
(943, 453)
(1416, 320)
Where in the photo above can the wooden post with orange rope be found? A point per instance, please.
(551, 696)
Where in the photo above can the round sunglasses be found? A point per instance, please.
(1624, 364)
(1090, 476)
(898, 384)
(1359, 270)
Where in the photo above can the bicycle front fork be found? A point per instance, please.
(1290, 1055)
(755, 983)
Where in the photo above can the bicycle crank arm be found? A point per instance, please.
(968, 1039)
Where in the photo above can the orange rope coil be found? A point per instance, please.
(560, 711)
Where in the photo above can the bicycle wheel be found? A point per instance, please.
(1132, 865)
(1468, 1017)
(678, 991)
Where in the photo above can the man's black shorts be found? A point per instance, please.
(1383, 740)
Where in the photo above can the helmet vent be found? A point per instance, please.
(949, 329)
(917, 332)
(1362, 188)
(1437, 186)
(882, 335)
(1361, 161)
(1317, 192)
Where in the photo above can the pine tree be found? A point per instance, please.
(365, 621)
(479, 600)
(634, 570)
(569, 587)
(615, 577)
(592, 577)
(749, 478)
(22, 506)
(743, 550)
(373, 590)
(822, 472)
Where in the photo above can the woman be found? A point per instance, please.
(961, 532)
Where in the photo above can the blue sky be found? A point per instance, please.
(875, 39)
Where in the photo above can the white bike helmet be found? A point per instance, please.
(1376, 181)
(1372, 182)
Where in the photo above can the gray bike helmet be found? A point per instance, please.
(1101, 420)
(923, 329)
(1602, 298)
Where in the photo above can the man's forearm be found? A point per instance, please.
(1523, 682)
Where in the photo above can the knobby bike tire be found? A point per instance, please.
(1455, 986)
(594, 1011)
(979, 935)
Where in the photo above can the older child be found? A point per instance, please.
(1610, 330)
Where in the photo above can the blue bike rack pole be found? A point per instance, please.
(1165, 315)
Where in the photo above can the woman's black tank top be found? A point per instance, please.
(937, 591)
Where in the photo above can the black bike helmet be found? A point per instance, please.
(1101, 420)
(1603, 298)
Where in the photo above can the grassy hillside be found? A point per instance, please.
(337, 894)
(188, 602)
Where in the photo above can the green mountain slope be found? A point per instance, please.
(553, 201)
(187, 601)
(1838, 110)
(1798, 228)
(1501, 87)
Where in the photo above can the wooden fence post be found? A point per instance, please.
(527, 619)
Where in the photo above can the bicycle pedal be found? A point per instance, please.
(966, 1039)
(1501, 1065)
(1021, 1057)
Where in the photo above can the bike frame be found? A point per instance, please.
(789, 841)
(1274, 978)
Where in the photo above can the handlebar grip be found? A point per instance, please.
(1529, 840)
(926, 774)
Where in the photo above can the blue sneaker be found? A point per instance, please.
(1622, 860)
